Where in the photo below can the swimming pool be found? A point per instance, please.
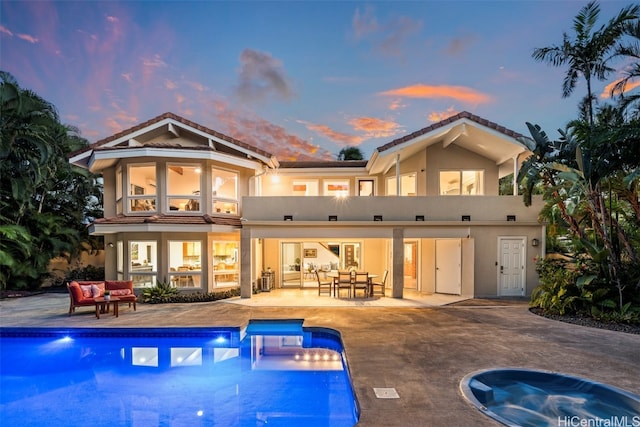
(270, 373)
(537, 398)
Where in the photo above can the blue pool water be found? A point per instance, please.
(533, 398)
(269, 374)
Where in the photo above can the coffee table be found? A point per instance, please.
(102, 305)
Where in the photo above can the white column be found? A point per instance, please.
(515, 175)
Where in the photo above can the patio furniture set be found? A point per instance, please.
(84, 293)
(352, 282)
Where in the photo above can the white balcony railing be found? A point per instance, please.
(390, 208)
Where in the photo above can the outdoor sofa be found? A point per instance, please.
(82, 293)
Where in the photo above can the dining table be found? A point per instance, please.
(334, 277)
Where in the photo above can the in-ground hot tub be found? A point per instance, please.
(536, 398)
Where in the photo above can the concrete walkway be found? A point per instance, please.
(422, 351)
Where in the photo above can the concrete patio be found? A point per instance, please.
(421, 345)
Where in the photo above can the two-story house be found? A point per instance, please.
(189, 205)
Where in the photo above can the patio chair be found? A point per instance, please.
(343, 281)
(361, 283)
(381, 285)
(323, 286)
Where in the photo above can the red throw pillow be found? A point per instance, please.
(120, 292)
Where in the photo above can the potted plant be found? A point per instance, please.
(107, 295)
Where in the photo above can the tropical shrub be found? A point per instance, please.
(557, 292)
(164, 293)
(161, 292)
(89, 272)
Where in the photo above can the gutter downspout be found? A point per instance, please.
(252, 189)
(398, 174)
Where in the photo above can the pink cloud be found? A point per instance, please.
(459, 93)
(5, 30)
(198, 86)
(120, 120)
(169, 84)
(375, 128)
(154, 62)
(127, 77)
(437, 116)
(28, 38)
(339, 138)
(260, 133)
(629, 86)
(396, 104)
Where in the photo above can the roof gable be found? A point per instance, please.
(465, 130)
(170, 131)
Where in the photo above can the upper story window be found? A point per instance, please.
(408, 185)
(119, 205)
(366, 187)
(336, 188)
(183, 187)
(462, 182)
(142, 187)
(304, 188)
(225, 191)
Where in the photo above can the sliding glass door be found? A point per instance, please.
(291, 254)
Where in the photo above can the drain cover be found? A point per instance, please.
(386, 393)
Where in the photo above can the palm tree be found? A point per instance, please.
(632, 73)
(589, 154)
(350, 153)
(588, 53)
(43, 198)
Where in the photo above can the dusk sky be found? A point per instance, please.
(299, 79)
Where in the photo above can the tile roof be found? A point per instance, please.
(233, 221)
(454, 118)
(324, 164)
(180, 120)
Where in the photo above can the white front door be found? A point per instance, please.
(511, 277)
(448, 266)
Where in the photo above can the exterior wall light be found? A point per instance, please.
(377, 217)
(466, 217)
(511, 217)
(535, 242)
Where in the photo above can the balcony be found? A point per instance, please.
(478, 209)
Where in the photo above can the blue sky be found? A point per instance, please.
(299, 79)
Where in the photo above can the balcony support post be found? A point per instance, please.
(246, 270)
(397, 251)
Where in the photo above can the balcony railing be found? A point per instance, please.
(391, 208)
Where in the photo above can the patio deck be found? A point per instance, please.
(422, 350)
